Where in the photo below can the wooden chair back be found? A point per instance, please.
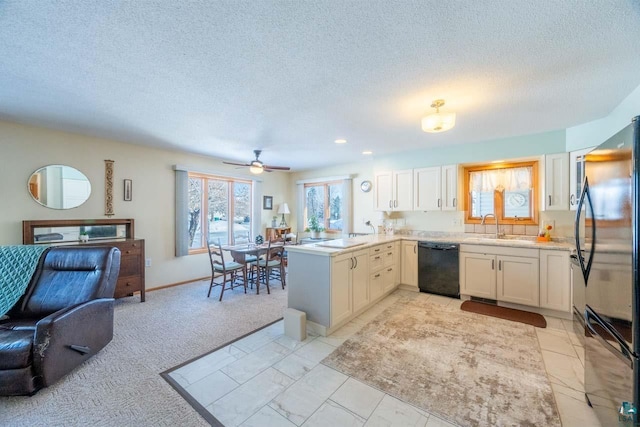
(216, 256)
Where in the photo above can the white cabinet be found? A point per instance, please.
(500, 273)
(576, 175)
(435, 188)
(393, 190)
(349, 284)
(555, 280)
(478, 275)
(360, 280)
(517, 280)
(556, 182)
(341, 303)
(383, 269)
(409, 270)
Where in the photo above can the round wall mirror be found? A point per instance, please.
(59, 187)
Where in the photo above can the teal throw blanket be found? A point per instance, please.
(17, 264)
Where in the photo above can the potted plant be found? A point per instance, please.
(84, 236)
(314, 227)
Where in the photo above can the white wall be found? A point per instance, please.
(595, 132)
(23, 149)
(507, 148)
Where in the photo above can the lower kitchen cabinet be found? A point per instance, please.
(409, 270)
(349, 284)
(555, 280)
(360, 280)
(478, 275)
(493, 273)
(517, 280)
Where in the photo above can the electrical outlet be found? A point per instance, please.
(147, 262)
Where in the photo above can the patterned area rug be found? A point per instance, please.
(471, 369)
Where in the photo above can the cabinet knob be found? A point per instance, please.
(128, 252)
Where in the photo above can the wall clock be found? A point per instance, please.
(365, 186)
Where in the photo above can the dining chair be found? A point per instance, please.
(228, 270)
(272, 262)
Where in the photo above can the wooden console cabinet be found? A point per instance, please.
(131, 278)
(65, 232)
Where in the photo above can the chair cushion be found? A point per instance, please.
(250, 258)
(231, 265)
(272, 263)
(15, 348)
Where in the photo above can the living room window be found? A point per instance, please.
(507, 190)
(219, 210)
(324, 200)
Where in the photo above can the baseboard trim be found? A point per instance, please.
(171, 285)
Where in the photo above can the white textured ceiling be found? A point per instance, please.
(222, 78)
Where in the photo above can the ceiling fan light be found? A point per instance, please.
(438, 122)
(255, 169)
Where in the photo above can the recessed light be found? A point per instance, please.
(367, 152)
(340, 141)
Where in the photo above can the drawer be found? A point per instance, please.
(389, 257)
(376, 250)
(130, 248)
(127, 285)
(376, 262)
(130, 265)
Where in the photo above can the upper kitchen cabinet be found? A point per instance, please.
(435, 188)
(556, 183)
(393, 190)
(576, 175)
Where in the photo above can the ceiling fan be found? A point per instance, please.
(257, 167)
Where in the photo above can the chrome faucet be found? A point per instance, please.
(497, 225)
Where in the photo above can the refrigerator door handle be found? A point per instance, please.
(585, 195)
(623, 353)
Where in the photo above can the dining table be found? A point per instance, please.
(249, 252)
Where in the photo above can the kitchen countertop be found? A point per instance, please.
(362, 242)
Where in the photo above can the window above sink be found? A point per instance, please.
(507, 190)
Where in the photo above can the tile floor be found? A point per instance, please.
(267, 379)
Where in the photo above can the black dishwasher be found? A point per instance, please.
(438, 268)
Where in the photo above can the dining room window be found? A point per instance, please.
(219, 210)
(507, 190)
(324, 201)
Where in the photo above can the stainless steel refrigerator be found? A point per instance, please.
(607, 254)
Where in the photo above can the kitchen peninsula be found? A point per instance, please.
(336, 280)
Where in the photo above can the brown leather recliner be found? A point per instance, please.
(64, 318)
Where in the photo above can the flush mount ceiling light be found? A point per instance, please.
(438, 122)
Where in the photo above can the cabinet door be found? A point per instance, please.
(555, 280)
(403, 190)
(360, 279)
(449, 187)
(376, 285)
(478, 275)
(409, 270)
(556, 182)
(382, 191)
(389, 276)
(576, 175)
(341, 303)
(427, 189)
(517, 280)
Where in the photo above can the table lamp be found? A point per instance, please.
(283, 209)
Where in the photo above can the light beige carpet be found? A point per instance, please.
(471, 369)
(121, 385)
